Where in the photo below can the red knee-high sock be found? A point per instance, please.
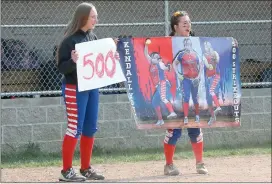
(186, 109)
(211, 110)
(215, 99)
(68, 149)
(197, 109)
(169, 107)
(169, 151)
(158, 112)
(86, 150)
(198, 151)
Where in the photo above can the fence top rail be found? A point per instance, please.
(58, 92)
(140, 24)
(8, 94)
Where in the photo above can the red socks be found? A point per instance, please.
(158, 112)
(215, 99)
(169, 107)
(169, 151)
(198, 151)
(186, 109)
(86, 150)
(211, 110)
(196, 109)
(68, 149)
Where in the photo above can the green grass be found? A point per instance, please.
(32, 157)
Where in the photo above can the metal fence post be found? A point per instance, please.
(166, 14)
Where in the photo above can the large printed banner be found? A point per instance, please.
(96, 66)
(175, 82)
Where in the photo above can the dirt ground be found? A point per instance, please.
(226, 169)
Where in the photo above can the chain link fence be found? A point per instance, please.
(30, 31)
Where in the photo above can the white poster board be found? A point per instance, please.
(97, 66)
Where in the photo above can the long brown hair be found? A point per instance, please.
(80, 18)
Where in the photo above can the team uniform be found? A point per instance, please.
(162, 92)
(212, 78)
(189, 61)
(81, 108)
(190, 70)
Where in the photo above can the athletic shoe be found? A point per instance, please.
(217, 110)
(171, 170)
(91, 174)
(212, 120)
(160, 122)
(172, 115)
(186, 120)
(71, 176)
(197, 119)
(201, 169)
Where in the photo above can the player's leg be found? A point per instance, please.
(76, 103)
(156, 105)
(214, 85)
(186, 97)
(87, 138)
(208, 96)
(196, 138)
(194, 90)
(170, 141)
(208, 83)
(165, 97)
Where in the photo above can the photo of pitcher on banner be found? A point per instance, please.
(175, 82)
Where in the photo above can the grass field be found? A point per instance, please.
(32, 157)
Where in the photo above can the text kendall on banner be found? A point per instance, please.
(96, 66)
(125, 49)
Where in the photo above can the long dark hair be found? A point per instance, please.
(175, 20)
(80, 18)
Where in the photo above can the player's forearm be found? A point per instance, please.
(163, 66)
(217, 57)
(206, 62)
(175, 63)
(146, 53)
(174, 66)
(199, 71)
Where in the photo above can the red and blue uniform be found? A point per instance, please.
(189, 67)
(212, 78)
(215, 70)
(162, 91)
(84, 105)
(81, 107)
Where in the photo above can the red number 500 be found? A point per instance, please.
(100, 61)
